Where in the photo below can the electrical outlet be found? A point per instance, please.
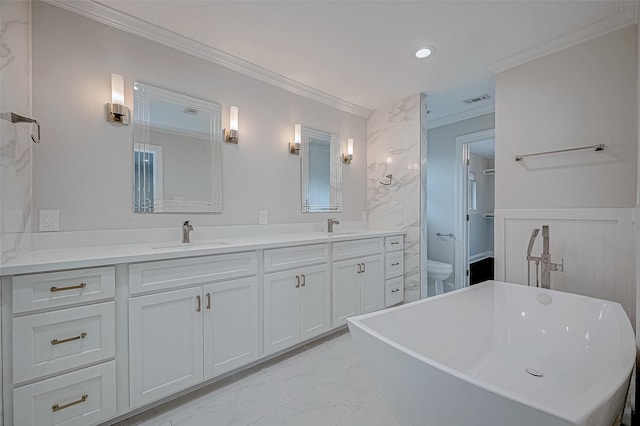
(49, 220)
(264, 215)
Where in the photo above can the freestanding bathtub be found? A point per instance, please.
(500, 354)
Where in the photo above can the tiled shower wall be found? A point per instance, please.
(15, 139)
(393, 147)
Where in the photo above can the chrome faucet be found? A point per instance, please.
(544, 259)
(330, 223)
(186, 228)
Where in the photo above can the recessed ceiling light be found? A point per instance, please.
(425, 52)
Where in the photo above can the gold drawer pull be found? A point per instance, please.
(364, 268)
(208, 300)
(199, 307)
(69, 339)
(297, 281)
(304, 280)
(58, 407)
(73, 287)
(395, 264)
(395, 290)
(395, 242)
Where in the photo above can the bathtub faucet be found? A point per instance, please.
(544, 259)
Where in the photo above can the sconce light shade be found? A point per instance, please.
(117, 89)
(116, 111)
(294, 148)
(231, 135)
(349, 155)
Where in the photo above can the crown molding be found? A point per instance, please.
(459, 116)
(130, 24)
(626, 14)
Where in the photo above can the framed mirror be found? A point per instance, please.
(321, 171)
(177, 153)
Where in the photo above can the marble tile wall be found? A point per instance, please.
(393, 147)
(15, 141)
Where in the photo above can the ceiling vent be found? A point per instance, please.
(477, 99)
(191, 111)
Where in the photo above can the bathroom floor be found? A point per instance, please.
(322, 384)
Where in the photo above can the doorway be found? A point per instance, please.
(475, 195)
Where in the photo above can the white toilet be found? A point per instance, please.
(439, 271)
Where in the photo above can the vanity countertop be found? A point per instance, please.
(83, 257)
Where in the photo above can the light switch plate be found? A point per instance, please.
(264, 215)
(49, 220)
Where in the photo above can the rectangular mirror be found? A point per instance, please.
(177, 156)
(321, 171)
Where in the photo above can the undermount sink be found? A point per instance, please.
(193, 244)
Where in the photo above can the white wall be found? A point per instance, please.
(84, 165)
(441, 182)
(583, 95)
(393, 147)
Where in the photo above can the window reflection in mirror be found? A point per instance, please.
(321, 171)
(177, 153)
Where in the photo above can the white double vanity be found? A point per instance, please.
(90, 334)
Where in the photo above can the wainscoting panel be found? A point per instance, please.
(596, 245)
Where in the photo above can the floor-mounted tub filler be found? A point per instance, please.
(500, 354)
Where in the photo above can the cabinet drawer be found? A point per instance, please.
(56, 341)
(394, 264)
(52, 289)
(394, 243)
(166, 274)
(393, 291)
(357, 248)
(81, 398)
(295, 257)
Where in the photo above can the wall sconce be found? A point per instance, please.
(231, 135)
(349, 155)
(294, 148)
(116, 111)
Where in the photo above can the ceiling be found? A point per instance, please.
(485, 148)
(362, 52)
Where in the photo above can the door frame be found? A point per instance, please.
(461, 231)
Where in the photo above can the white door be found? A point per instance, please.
(346, 290)
(165, 344)
(372, 284)
(315, 301)
(231, 325)
(281, 310)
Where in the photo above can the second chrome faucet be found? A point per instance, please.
(330, 223)
(186, 228)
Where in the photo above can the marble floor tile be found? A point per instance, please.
(374, 413)
(315, 408)
(354, 387)
(311, 371)
(346, 344)
(240, 407)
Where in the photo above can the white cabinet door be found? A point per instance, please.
(281, 311)
(346, 291)
(231, 326)
(165, 344)
(315, 301)
(372, 284)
